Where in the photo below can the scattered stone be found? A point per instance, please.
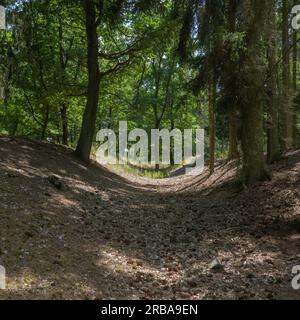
(269, 261)
(11, 175)
(139, 263)
(57, 262)
(192, 282)
(250, 275)
(216, 266)
(28, 234)
(270, 296)
(184, 295)
(56, 182)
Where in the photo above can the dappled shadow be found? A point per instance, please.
(106, 236)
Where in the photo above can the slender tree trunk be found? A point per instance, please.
(14, 128)
(273, 125)
(84, 146)
(45, 122)
(64, 122)
(286, 113)
(295, 62)
(157, 119)
(172, 161)
(212, 121)
(157, 126)
(233, 152)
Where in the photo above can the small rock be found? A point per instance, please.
(11, 175)
(139, 263)
(216, 266)
(270, 296)
(57, 262)
(184, 295)
(56, 182)
(192, 282)
(28, 234)
(163, 282)
(269, 261)
(250, 275)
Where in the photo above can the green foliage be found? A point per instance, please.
(144, 172)
(156, 59)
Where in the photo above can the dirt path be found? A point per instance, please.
(109, 236)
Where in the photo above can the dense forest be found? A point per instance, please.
(69, 68)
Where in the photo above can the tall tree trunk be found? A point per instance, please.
(64, 122)
(254, 168)
(286, 113)
(157, 118)
(84, 146)
(212, 121)
(273, 126)
(172, 160)
(233, 152)
(295, 62)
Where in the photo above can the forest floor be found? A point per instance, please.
(99, 235)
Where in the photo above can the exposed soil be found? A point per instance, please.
(99, 235)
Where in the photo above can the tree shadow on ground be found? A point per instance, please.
(104, 236)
